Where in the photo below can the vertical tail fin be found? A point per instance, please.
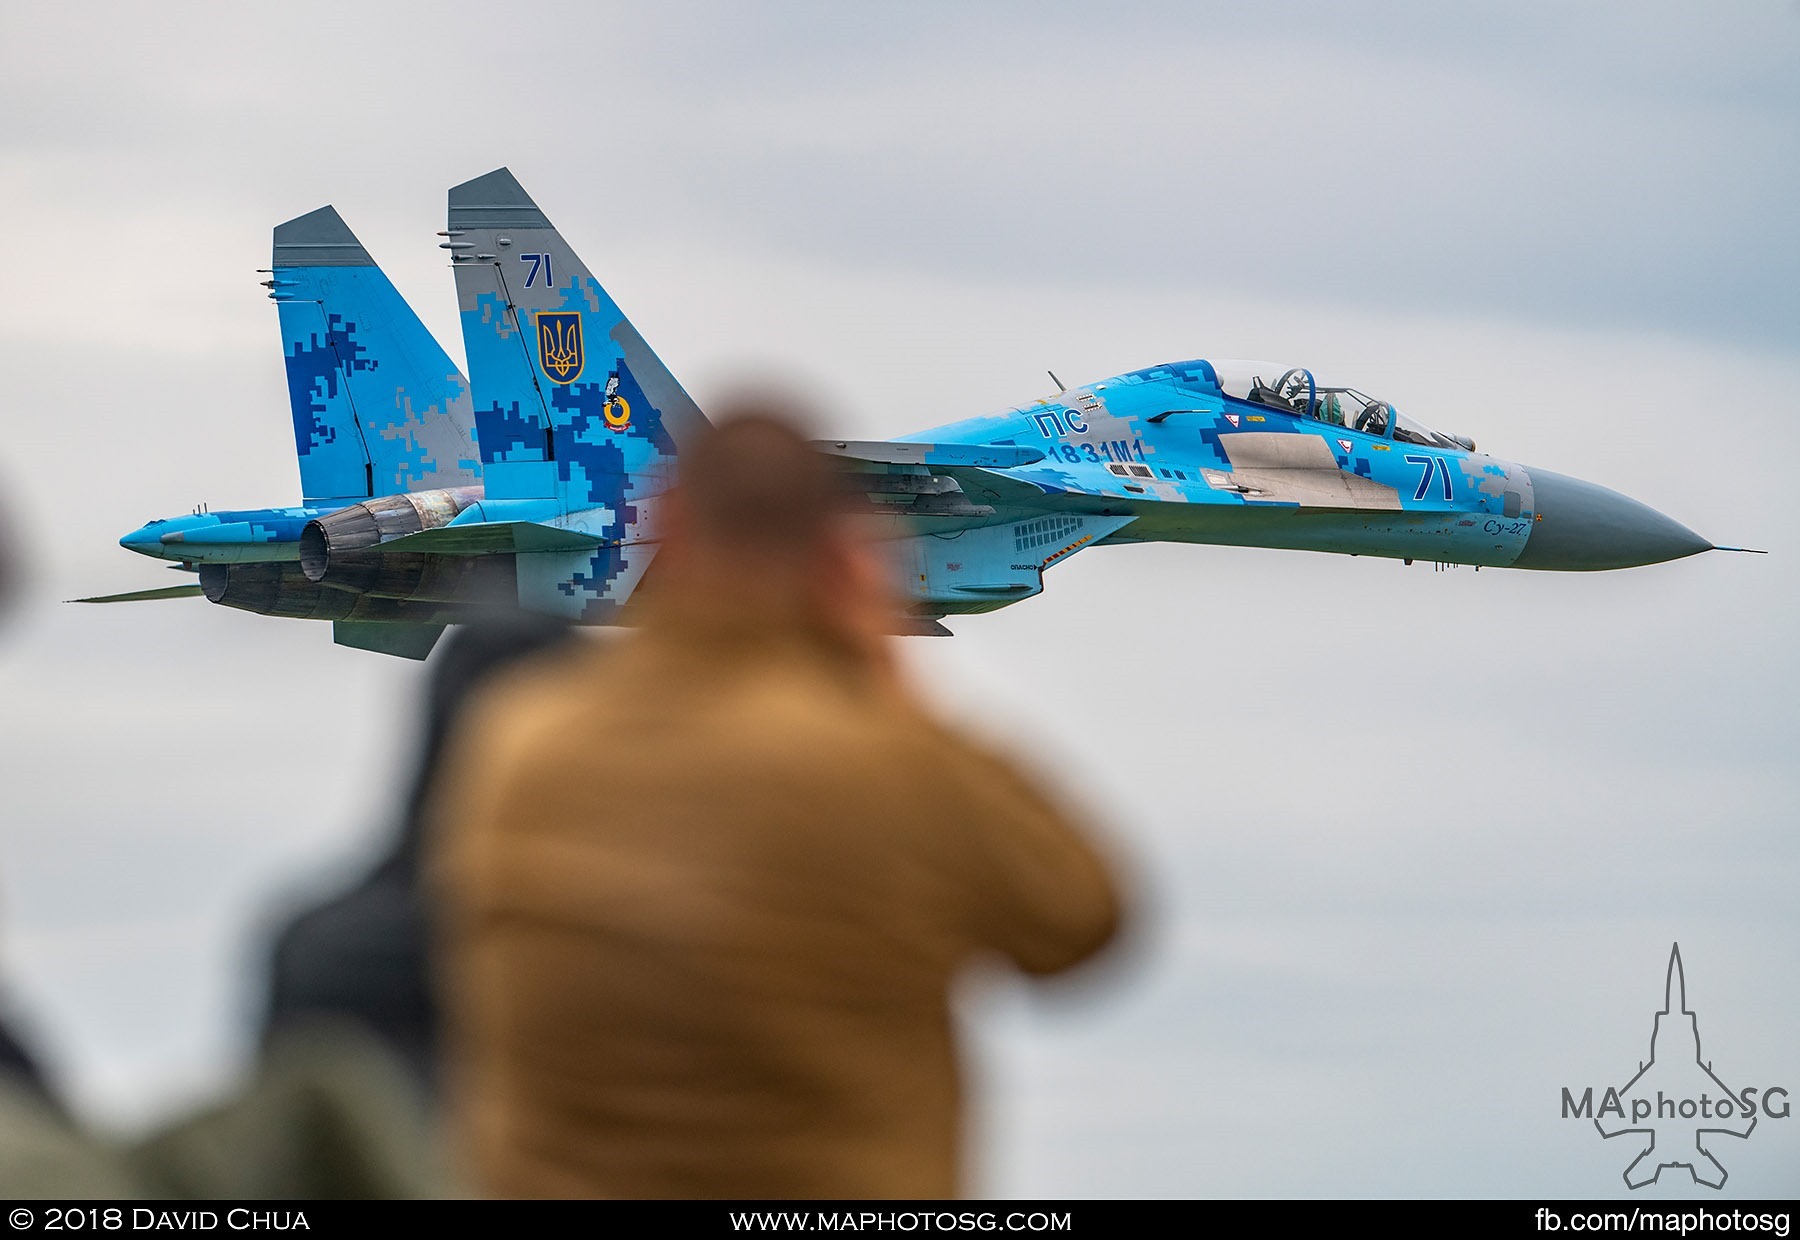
(379, 408)
(570, 400)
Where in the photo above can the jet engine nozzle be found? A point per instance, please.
(282, 590)
(266, 589)
(335, 540)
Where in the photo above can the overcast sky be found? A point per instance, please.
(1411, 847)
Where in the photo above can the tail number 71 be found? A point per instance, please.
(540, 263)
(1433, 465)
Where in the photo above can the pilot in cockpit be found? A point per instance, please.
(1262, 394)
(1296, 392)
(1373, 419)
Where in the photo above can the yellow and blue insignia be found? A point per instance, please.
(559, 345)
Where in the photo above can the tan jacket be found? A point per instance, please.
(706, 893)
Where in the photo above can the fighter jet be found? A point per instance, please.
(406, 528)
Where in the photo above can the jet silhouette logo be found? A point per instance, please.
(1676, 1106)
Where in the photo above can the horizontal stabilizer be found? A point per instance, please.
(408, 641)
(191, 590)
(982, 456)
(494, 538)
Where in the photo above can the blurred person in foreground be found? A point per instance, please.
(362, 955)
(705, 894)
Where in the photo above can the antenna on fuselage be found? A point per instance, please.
(1060, 389)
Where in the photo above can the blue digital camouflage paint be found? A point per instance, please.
(378, 406)
(580, 428)
(586, 415)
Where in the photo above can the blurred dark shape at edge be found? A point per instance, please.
(12, 567)
(328, 1114)
(17, 1063)
(363, 955)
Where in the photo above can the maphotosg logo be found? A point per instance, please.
(1676, 1105)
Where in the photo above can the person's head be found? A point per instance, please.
(760, 529)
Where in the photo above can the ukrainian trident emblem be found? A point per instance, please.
(559, 344)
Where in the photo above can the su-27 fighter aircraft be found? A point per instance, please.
(535, 483)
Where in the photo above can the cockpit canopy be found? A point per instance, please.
(1293, 389)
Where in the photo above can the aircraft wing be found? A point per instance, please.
(942, 484)
(888, 452)
(143, 596)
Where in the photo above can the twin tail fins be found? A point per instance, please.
(378, 406)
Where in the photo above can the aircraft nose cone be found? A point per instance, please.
(1580, 527)
(144, 541)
